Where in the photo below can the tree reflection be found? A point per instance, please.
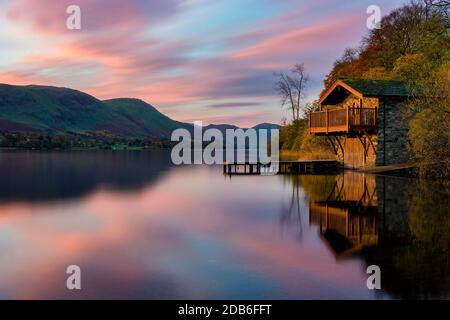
(402, 225)
(416, 268)
(51, 176)
(290, 216)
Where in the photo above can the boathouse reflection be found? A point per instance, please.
(347, 218)
(402, 225)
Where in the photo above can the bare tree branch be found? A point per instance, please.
(291, 88)
(442, 6)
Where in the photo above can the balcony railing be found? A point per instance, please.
(343, 120)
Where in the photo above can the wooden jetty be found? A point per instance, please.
(283, 167)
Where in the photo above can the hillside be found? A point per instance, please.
(58, 111)
(143, 118)
(61, 110)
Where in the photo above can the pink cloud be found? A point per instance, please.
(23, 78)
(321, 36)
(116, 55)
(50, 16)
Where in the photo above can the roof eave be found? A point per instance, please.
(342, 84)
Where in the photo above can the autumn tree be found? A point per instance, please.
(420, 27)
(429, 131)
(438, 5)
(342, 67)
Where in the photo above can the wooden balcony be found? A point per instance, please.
(343, 120)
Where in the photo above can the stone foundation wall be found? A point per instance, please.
(393, 144)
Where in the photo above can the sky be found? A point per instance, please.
(194, 60)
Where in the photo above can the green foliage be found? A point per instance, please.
(295, 137)
(411, 67)
(144, 117)
(377, 73)
(430, 123)
(291, 134)
(408, 30)
(412, 29)
(38, 141)
(62, 111)
(412, 45)
(430, 226)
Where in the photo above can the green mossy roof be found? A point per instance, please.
(378, 87)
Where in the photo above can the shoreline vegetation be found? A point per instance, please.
(23, 141)
(295, 141)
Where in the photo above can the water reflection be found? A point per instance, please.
(140, 228)
(44, 176)
(402, 225)
(291, 215)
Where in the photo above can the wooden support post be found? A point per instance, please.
(332, 144)
(371, 143)
(366, 149)
(348, 119)
(364, 145)
(309, 122)
(359, 118)
(340, 145)
(326, 113)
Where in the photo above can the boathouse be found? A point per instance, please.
(364, 121)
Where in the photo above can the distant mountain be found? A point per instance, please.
(221, 127)
(54, 110)
(224, 127)
(267, 126)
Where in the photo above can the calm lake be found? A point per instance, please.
(139, 227)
